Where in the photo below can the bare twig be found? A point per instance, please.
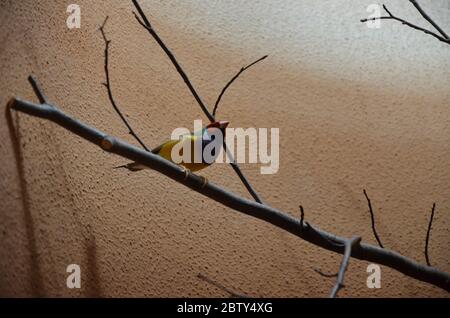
(241, 176)
(349, 245)
(108, 88)
(443, 37)
(263, 212)
(306, 226)
(242, 70)
(38, 90)
(302, 216)
(146, 24)
(222, 287)
(372, 219)
(428, 235)
(427, 17)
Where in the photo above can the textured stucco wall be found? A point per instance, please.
(357, 108)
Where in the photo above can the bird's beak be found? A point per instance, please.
(223, 124)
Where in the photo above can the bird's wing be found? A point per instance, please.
(171, 143)
(165, 150)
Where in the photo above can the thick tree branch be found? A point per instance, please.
(443, 37)
(428, 235)
(372, 219)
(235, 77)
(108, 88)
(349, 245)
(263, 212)
(147, 25)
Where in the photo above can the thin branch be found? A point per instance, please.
(349, 245)
(242, 70)
(147, 25)
(108, 88)
(222, 287)
(263, 212)
(38, 90)
(372, 219)
(428, 18)
(302, 215)
(241, 176)
(306, 226)
(428, 235)
(411, 25)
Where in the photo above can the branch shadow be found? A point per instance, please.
(94, 288)
(35, 277)
(35, 274)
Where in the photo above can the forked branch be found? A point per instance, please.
(143, 20)
(107, 84)
(428, 18)
(440, 35)
(349, 246)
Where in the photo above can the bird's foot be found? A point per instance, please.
(205, 181)
(186, 173)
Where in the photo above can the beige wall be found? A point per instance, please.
(357, 108)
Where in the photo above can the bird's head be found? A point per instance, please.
(221, 125)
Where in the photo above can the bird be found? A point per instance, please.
(165, 149)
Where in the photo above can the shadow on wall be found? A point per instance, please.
(35, 277)
(94, 288)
